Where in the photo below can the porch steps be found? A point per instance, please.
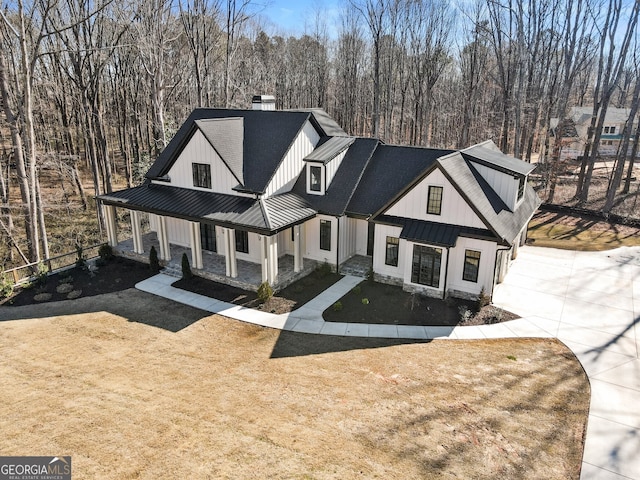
(173, 270)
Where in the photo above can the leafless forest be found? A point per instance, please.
(91, 91)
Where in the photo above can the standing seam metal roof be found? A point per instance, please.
(273, 215)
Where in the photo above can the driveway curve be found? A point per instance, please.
(591, 302)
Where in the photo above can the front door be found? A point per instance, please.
(208, 237)
(370, 234)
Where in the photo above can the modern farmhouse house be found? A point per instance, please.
(274, 192)
(575, 133)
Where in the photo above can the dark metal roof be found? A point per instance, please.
(432, 233)
(262, 216)
(488, 153)
(329, 149)
(389, 172)
(268, 135)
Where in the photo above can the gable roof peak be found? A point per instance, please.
(226, 136)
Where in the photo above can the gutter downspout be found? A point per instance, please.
(338, 246)
(495, 267)
(446, 274)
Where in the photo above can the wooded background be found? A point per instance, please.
(101, 86)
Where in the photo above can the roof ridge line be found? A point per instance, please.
(265, 212)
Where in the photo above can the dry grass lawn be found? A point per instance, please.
(98, 379)
(555, 230)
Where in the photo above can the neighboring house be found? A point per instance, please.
(256, 185)
(575, 133)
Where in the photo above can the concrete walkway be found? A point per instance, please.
(588, 300)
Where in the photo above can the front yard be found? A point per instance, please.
(135, 386)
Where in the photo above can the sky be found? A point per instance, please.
(291, 15)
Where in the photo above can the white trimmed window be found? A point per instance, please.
(315, 179)
(471, 266)
(434, 202)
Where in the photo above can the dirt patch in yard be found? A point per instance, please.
(129, 394)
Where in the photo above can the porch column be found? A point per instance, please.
(110, 220)
(272, 259)
(196, 245)
(297, 249)
(163, 239)
(264, 257)
(138, 247)
(231, 263)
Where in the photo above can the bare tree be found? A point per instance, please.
(610, 67)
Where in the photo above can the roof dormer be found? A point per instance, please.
(323, 163)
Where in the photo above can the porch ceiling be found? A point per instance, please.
(261, 216)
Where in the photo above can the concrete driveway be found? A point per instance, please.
(591, 302)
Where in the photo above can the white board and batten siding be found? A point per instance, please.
(487, 251)
(312, 240)
(362, 232)
(333, 165)
(177, 229)
(348, 237)
(379, 251)
(505, 185)
(289, 170)
(455, 210)
(199, 150)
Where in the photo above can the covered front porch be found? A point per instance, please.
(249, 274)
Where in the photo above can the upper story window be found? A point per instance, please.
(610, 129)
(201, 175)
(315, 182)
(434, 202)
(315, 179)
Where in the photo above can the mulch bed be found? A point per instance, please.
(372, 302)
(117, 274)
(385, 304)
(285, 301)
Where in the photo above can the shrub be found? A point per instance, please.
(41, 274)
(64, 288)
(105, 252)
(337, 306)
(465, 314)
(265, 292)
(186, 268)
(80, 260)
(6, 287)
(483, 300)
(370, 275)
(154, 263)
(365, 301)
(356, 289)
(323, 269)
